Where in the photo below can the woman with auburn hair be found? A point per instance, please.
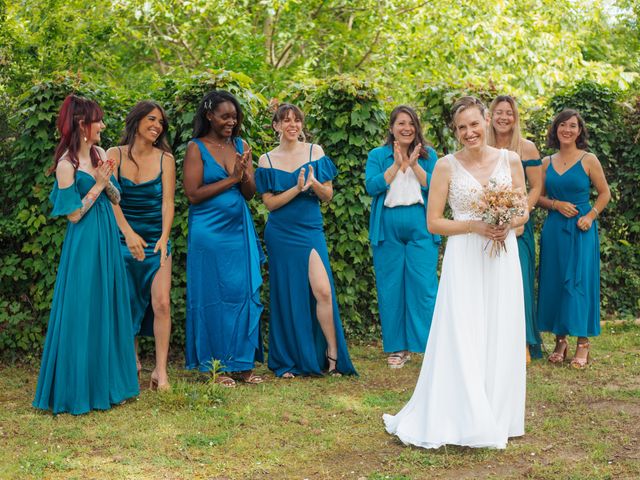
(405, 254)
(88, 362)
(147, 174)
(471, 389)
(223, 250)
(305, 331)
(569, 282)
(504, 132)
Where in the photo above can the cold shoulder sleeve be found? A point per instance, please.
(325, 169)
(65, 200)
(267, 181)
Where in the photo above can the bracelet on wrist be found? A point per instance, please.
(596, 211)
(553, 204)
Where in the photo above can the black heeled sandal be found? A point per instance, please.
(334, 371)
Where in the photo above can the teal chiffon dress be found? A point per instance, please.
(569, 281)
(223, 278)
(527, 253)
(141, 205)
(296, 342)
(88, 362)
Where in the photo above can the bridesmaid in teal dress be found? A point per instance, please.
(505, 133)
(569, 285)
(147, 175)
(223, 250)
(88, 362)
(305, 331)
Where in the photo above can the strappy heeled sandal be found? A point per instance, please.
(559, 356)
(397, 360)
(580, 363)
(334, 371)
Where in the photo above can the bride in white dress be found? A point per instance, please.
(471, 389)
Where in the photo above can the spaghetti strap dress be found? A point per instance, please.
(141, 204)
(569, 278)
(88, 362)
(472, 385)
(527, 251)
(223, 278)
(296, 342)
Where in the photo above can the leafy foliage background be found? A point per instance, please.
(347, 117)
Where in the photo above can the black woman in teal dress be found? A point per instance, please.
(147, 175)
(569, 282)
(505, 133)
(223, 250)
(88, 362)
(305, 331)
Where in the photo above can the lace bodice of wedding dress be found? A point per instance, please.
(464, 189)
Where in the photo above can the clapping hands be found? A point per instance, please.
(240, 169)
(104, 171)
(400, 158)
(311, 180)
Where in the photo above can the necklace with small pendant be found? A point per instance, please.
(218, 144)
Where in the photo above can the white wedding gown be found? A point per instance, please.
(471, 389)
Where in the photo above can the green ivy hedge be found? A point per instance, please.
(348, 118)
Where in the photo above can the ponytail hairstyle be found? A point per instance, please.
(419, 138)
(464, 103)
(132, 122)
(75, 109)
(209, 103)
(283, 111)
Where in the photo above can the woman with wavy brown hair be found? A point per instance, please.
(147, 174)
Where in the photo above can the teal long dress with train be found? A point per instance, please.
(88, 362)
(223, 278)
(527, 253)
(296, 342)
(141, 205)
(569, 281)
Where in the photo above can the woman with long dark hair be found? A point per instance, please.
(223, 250)
(305, 331)
(147, 174)
(88, 360)
(405, 254)
(569, 281)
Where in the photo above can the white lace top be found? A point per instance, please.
(404, 190)
(464, 189)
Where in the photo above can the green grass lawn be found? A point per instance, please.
(579, 425)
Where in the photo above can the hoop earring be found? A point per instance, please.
(302, 137)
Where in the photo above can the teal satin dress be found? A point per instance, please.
(223, 278)
(569, 281)
(296, 342)
(141, 205)
(527, 253)
(88, 362)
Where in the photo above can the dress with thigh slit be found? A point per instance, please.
(141, 204)
(223, 278)
(296, 342)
